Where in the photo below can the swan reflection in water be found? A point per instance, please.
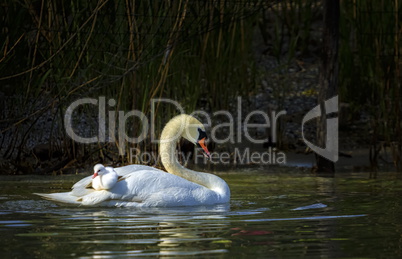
(151, 231)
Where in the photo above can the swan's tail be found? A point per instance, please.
(65, 197)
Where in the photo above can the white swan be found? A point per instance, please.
(104, 178)
(144, 186)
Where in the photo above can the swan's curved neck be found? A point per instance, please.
(167, 151)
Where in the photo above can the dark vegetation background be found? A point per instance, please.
(203, 54)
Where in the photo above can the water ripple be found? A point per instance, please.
(305, 218)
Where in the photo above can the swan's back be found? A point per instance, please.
(124, 170)
(158, 188)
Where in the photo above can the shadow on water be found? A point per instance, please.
(285, 214)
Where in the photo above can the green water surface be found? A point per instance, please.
(273, 213)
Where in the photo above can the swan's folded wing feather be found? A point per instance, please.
(60, 197)
(133, 169)
(82, 187)
(95, 197)
(83, 182)
(122, 178)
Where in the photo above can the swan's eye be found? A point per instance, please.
(201, 134)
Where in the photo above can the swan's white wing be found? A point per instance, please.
(124, 170)
(83, 182)
(65, 197)
(95, 197)
(82, 187)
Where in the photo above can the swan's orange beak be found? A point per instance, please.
(95, 175)
(201, 143)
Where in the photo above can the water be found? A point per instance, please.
(273, 213)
